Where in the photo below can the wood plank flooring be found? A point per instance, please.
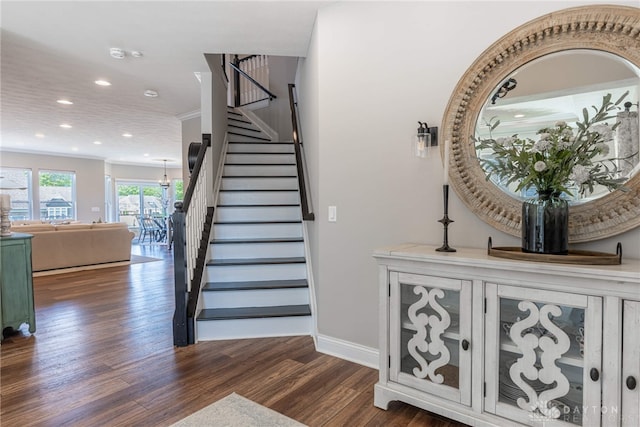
(103, 355)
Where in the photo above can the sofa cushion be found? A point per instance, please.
(99, 225)
(63, 227)
(33, 228)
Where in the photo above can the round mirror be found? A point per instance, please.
(536, 97)
(543, 73)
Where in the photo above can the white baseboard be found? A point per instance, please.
(352, 352)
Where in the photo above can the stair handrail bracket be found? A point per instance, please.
(305, 198)
(191, 227)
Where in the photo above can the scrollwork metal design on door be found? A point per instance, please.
(551, 350)
(428, 338)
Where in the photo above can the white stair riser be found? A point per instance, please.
(258, 231)
(240, 273)
(247, 132)
(256, 250)
(259, 170)
(261, 183)
(211, 330)
(260, 148)
(258, 198)
(260, 158)
(246, 138)
(256, 298)
(262, 213)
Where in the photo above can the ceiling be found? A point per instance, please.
(55, 50)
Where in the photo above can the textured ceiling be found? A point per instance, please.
(57, 49)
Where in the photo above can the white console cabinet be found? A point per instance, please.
(491, 341)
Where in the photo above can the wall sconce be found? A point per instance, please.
(165, 183)
(424, 139)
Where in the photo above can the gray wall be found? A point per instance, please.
(282, 71)
(362, 91)
(90, 177)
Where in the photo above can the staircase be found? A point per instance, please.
(257, 275)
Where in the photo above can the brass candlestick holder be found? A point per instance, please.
(445, 222)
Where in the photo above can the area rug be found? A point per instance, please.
(138, 259)
(236, 411)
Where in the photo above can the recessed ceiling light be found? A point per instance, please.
(97, 142)
(66, 126)
(102, 83)
(146, 154)
(39, 135)
(64, 101)
(518, 116)
(127, 135)
(74, 148)
(117, 53)
(136, 54)
(150, 93)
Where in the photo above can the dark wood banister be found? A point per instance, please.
(185, 300)
(252, 80)
(307, 215)
(186, 200)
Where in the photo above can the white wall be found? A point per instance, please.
(372, 71)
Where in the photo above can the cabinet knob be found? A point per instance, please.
(465, 345)
(631, 383)
(594, 374)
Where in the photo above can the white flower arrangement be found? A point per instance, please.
(562, 157)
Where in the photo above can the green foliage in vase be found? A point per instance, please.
(563, 156)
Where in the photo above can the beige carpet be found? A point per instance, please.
(236, 411)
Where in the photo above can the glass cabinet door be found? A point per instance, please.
(543, 356)
(630, 364)
(430, 324)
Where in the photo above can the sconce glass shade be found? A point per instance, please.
(422, 143)
(425, 138)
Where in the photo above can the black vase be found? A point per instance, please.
(545, 225)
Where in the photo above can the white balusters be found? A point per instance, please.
(195, 220)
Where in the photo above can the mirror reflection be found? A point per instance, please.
(555, 88)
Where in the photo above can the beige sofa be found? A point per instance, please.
(76, 245)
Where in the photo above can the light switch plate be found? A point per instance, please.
(333, 214)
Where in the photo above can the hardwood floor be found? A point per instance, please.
(103, 355)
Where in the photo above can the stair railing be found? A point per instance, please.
(191, 226)
(305, 198)
(250, 76)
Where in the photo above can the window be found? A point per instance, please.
(57, 195)
(17, 184)
(178, 190)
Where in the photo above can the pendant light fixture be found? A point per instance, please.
(165, 183)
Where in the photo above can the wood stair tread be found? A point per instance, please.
(256, 261)
(254, 312)
(259, 164)
(259, 240)
(258, 176)
(276, 205)
(255, 285)
(260, 189)
(243, 127)
(257, 222)
(261, 142)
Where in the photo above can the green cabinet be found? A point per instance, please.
(16, 283)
